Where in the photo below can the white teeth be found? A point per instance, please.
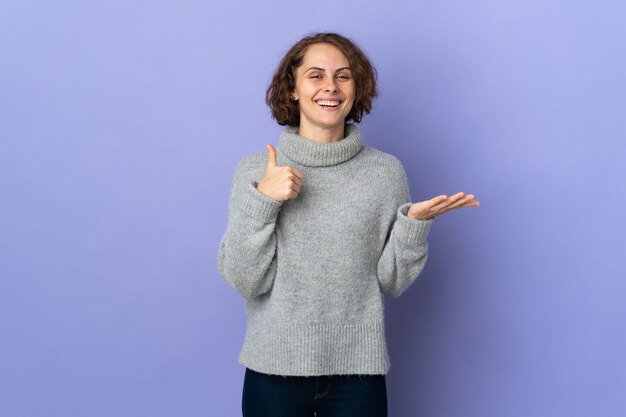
(328, 103)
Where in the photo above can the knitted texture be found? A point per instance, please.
(313, 270)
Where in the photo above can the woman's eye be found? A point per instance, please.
(343, 77)
(316, 76)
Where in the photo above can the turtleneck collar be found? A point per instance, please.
(309, 153)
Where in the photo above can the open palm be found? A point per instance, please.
(426, 210)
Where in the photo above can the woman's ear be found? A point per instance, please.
(294, 96)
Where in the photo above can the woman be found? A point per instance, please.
(318, 230)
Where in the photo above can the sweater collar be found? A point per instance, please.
(308, 153)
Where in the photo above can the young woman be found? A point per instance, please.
(319, 228)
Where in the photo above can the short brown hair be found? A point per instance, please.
(278, 95)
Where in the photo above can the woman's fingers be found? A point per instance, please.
(295, 178)
(461, 202)
(296, 187)
(435, 201)
(467, 201)
(430, 206)
(299, 173)
(443, 204)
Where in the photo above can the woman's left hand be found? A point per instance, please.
(426, 210)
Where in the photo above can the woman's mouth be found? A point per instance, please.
(328, 105)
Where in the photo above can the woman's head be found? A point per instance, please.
(357, 81)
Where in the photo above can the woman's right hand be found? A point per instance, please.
(280, 182)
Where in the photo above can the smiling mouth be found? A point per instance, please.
(328, 104)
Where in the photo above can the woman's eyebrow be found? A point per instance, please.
(322, 69)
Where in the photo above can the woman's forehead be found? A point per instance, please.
(320, 53)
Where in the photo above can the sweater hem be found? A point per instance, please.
(317, 349)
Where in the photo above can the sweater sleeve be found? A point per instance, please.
(247, 251)
(406, 249)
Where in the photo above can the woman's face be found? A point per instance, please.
(324, 88)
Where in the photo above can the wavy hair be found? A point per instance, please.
(278, 95)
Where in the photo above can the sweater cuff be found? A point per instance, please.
(257, 205)
(411, 231)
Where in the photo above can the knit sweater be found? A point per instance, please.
(313, 270)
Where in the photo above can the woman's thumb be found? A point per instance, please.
(271, 156)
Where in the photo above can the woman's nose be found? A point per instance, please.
(331, 87)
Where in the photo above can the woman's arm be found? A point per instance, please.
(404, 254)
(247, 252)
(406, 249)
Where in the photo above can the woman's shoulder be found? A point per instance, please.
(382, 159)
(250, 167)
(252, 162)
(254, 158)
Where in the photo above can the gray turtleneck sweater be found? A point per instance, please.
(313, 269)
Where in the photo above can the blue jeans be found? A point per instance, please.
(321, 396)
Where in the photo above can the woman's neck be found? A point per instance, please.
(311, 153)
(321, 135)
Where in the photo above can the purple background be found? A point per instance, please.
(121, 124)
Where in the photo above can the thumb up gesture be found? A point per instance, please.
(280, 182)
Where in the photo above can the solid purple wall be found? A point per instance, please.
(120, 128)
